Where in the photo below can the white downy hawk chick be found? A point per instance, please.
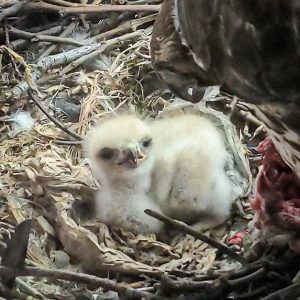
(174, 166)
(121, 157)
(189, 182)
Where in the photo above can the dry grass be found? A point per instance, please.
(43, 172)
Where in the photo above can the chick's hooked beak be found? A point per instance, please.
(133, 156)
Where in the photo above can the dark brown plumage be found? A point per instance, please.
(173, 61)
(251, 48)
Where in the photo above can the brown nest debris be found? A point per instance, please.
(64, 66)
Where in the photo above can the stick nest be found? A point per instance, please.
(65, 65)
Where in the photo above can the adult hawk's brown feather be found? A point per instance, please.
(251, 48)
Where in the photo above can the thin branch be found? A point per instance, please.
(182, 227)
(184, 284)
(64, 3)
(255, 293)
(255, 276)
(28, 289)
(75, 56)
(68, 143)
(46, 63)
(10, 294)
(35, 37)
(245, 271)
(290, 292)
(68, 30)
(13, 62)
(19, 43)
(89, 9)
(131, 25)
(100, 50)
(12, 10)
(7, 3)
(79, 277)
(56, 122)
(248, 116)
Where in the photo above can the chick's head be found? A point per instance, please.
(120, 144)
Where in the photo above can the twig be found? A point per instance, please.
(257, 275)
(254, 294)
(144, 2)
(290, 292)
(7, 3)
(44, 27)
(64, 3)
(109, 23)
(34, 37)
(13, 62)
(68, 30)
(68, 143)
(248, 116)
(66, 57)
(89, 9)
(276, 276)
(245, 271)
(5, 30)
(56, 122)
(226, 282)
(180, 226)
(128, 25)
(101, 49)
(205, 284)
(18, 44)
(12, 10)
(56, 60)
(9, 294)
(51, 61)
(184, 284)
(29, 289)
(79, 277)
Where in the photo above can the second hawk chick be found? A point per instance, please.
(189, 182)
(174, 166)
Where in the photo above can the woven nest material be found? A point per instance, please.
(45, 177)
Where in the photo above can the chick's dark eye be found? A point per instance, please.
(106, 154)
(147, 143)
